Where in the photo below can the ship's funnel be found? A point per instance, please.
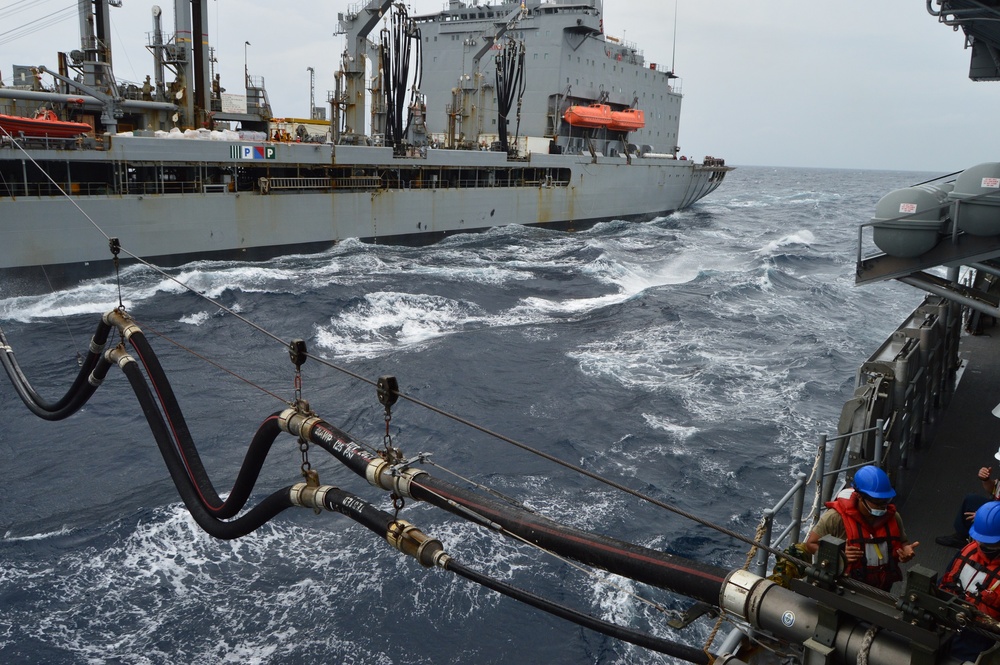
(979, 216)
(925, 213)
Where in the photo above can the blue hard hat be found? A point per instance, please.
(986, 525)
(872, 481)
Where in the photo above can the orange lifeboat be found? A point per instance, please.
(45, 123)
(627, 120)
(595, 115)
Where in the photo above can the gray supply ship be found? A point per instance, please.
(527, 113)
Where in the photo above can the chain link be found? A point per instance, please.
(389, 452)
(394, 456)
(304, 449)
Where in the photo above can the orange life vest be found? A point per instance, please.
(970, 573)
(878, 541)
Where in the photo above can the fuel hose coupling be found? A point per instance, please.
(298, 423)
(411, 541)
(382, 473)
(118, 355)
(117, 318)
(741, 594)
(310, 496)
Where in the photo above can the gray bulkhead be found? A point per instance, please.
(564, 66)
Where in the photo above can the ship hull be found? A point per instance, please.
(222, 221)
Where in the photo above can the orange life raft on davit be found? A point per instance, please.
(595, 115)
(601, 115)
(627, 120)
(45, 123)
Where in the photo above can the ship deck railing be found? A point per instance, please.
(47, 189)
(823, 481)
(265, 185)
(433, 181)
(45, 142)
(429, 181)
(100, 188)
(355, 182)
(174, 187)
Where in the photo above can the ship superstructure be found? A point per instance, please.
(571, 62)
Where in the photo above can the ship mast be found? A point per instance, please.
(95, 43)
(200, 98)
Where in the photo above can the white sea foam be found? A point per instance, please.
(37, 536)
(196, 319)
(679, 433)
(802, 237)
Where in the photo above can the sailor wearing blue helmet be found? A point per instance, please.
(974, 575)
(868, 521)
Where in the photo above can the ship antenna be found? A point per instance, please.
(673, 54)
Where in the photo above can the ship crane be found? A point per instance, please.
(112, 107)
(357, 24)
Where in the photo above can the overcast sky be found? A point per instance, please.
(852, 83)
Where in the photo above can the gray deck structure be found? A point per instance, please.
(966, 435)
(966, 438)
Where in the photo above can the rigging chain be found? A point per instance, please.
(298, 355)
(387, 389)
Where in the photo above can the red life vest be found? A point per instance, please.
(970, 573)
(878, 541)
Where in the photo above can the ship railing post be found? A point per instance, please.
(796, 494)
(798, 505)
(879, 442)
(760, 564)
(824, 484)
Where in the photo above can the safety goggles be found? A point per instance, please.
(878, 504)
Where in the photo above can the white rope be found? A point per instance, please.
(866, 645)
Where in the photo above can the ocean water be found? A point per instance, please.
(696, 358)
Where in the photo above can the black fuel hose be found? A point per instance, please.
(675, 649)
(92, 371)
(206, 493)
(396, 50)
(247, 523)
(690, 578)
(510, 84)
(379, 522)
